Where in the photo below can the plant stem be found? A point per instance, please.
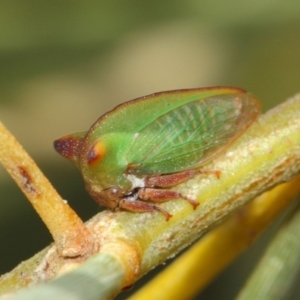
(67, 229)
(278, 270)
(208, 257)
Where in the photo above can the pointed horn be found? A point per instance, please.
(69, 146)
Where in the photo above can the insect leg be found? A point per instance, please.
(140, 206)
(158, 195)
(174, 179)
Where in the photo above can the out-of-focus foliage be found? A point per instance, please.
(64, 63)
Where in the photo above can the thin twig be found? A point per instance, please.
(68, 231)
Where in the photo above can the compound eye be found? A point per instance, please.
(96, 153)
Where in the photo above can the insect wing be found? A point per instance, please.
(191, 134)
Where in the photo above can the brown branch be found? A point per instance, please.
(68, 231)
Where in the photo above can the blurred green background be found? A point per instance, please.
(65, 63)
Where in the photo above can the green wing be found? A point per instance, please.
(188, 136)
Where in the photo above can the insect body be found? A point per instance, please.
(139, 149)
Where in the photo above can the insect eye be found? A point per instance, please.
(96, 153)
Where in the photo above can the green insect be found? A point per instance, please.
(132, 155)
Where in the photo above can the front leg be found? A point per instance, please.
(155, 195)
(158, 195)
(141, 206)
